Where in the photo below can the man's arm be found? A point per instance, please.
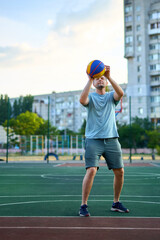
(118, 94)
(84, 100)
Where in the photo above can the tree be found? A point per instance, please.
(27, 103)
(67, 132)
(22, 105)
(83, 127)
(25, 124)
(154, 139)
(16, 108)
(4, 109)
(43, 129)
(107, 88)
(144, 123)
(135, 135)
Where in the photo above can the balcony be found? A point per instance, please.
(129, 51)
(155, 115)
(128, 2)
(154, 73)
(129, 55)
(155, 83)
(153, 31)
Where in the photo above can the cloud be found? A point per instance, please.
(50, 22)
(60, 63)
(93, 10)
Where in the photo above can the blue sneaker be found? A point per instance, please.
(83, 211)
(118, 207)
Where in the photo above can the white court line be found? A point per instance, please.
(58, 165)
(77, 217)
(20, 175)
(155, 165)
(21, 196)
(84, 228)
(52, 201)
(79, 183)
(80, 175)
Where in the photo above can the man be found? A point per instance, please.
(102, 137)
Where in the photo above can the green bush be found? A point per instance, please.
(158, 149)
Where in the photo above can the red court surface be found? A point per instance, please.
(76, 228)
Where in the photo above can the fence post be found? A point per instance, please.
(7, 130)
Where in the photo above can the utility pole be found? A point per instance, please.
(48, 134)
(130, 123)
(7, 130)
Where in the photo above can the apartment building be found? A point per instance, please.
(142, 50)
(65, 110)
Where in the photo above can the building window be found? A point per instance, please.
(139, 58)
(140, 110)
(153, 109)
(155, 67)
(124, 110)
(139, 38)
(154, 46)
(139, 68)
(129, 39)
(139, 99)
(155, 15)
(155, 25)
(153, 37)
(128, 28)
(155, 78)
(138, 17)
(128, 8)
(154, 56)
(139, 79)
(129, 49)
(155, 89)
(155, 99)
(139, 48)
(139, 90)
(128, 18)
(138, 8)
(138, 28)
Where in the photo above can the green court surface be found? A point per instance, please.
(55, 190)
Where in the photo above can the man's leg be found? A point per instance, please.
(118, 183)
(87, 183)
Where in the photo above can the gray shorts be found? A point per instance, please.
(109, 148)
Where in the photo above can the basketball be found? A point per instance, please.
(96, 69)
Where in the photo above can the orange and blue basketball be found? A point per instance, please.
(96, 69)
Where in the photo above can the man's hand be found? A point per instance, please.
(107, 72)
(118, 94)
(89, 77)
(84, 100)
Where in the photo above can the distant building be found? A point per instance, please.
(142, 50)
(3, 136)
(67, 112)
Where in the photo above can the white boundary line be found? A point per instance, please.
(155, 165)
(37, 196)
(71, 200)
(83, 228)
(77, 217)
(46, 175)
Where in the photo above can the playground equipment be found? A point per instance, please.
(61, 144)
(51, 154)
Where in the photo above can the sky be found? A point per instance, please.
(46, 45)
